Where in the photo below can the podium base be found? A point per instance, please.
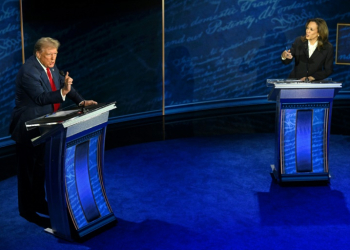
(87, 233)
(299, 177)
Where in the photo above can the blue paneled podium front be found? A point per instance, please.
(303, 119)
(74, 139)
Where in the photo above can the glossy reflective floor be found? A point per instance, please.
(235, 120)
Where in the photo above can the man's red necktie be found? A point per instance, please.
(56, 106)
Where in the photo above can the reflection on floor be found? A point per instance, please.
(225, 121)
(204, 192)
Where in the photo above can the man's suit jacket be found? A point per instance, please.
(35, 98)
(320, 64)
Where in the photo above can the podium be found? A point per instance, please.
(303, 120)
(74, 157)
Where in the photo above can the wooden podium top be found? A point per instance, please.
(314, 89)
(74, 119)
(70, 115)
(298, 84)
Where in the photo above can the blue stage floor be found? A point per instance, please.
(208, 192)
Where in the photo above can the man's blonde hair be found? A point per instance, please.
(45, 42)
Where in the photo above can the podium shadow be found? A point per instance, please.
(302, 205)
(149, 234)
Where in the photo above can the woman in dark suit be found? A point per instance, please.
(313, 53)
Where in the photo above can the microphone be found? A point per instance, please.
(307, 61)
(83, 110)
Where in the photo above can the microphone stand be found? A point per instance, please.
(83, 109)
(307, 62)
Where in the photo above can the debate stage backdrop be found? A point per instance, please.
(10, 60)
(217, 53)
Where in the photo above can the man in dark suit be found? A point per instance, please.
(313, 53)
(39, 91)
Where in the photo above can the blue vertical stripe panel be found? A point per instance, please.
(71, 189)
(83, 182)
(96, 178)
(289, 141)
(303, 141)
(289, 116)
(318, 140)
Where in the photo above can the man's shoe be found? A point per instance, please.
(35, 218)
(43, 208)
(29, 216)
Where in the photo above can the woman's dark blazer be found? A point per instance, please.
(319, 65)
